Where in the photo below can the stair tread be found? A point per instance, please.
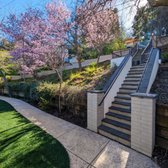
(133, 77)
(132, 80)
(126, 88)
(122, 103)
(119, 116)
(138, 66)
(123, 97)
(136, 69)
(117, 123)
(120, 109)
(131, 84)
(125, 92)
(115, 132)
(126, 96)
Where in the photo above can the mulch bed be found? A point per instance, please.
(160, 156)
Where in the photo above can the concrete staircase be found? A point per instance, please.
(117, 123)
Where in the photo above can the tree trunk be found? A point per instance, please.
(100, 53)
(79, 63)
(35, 75)
(98, 59)
(6, 82)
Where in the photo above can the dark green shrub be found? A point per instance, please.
(90, 53)
(164, 55)
(23, 89)
(117, 44)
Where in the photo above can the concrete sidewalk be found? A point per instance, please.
(86, 149)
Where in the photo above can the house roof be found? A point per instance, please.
(131, 40)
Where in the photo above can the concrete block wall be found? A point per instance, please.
(95, 113)
(143, 109)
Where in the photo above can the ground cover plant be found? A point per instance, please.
(22, 144)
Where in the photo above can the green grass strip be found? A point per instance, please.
(25, 145)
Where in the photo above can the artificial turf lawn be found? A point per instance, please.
(24, 145)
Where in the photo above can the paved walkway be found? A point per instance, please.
(86, 149)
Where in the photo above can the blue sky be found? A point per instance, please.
(18, 6)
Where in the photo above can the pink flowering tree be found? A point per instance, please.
(57, 27)
(80, 17)
(101, 28)
(39, 38)
(26, 31)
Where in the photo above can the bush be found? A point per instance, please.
(1, 83)
(115, 45)
(90, 53)
(71, 97)
(92, 69)
(19, 88)
(165, 55)
(9, 78)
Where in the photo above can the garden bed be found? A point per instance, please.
(44, 92)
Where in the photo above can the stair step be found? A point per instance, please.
(115, 135)
(132, 72)
(136, 70)
(127, 86)
(128, 79)
(126, 92)
(119, 110)
(123, 99)
(134, 76)
(116, 123)
(134, 83)
(121, 104)
(119, 116)
(126, 95)
(138, 67)
(131, 83)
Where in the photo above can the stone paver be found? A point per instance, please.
(86, 149)
(83, 143)
(117, 155)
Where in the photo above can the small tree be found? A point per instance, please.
(6, 66)
(81, 14)
(26, 31)
(54, 48)
(101, 28)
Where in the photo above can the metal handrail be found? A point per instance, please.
(114, 78)
(144, 70)
(115, 75)
(142, 54)
(146, 63)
